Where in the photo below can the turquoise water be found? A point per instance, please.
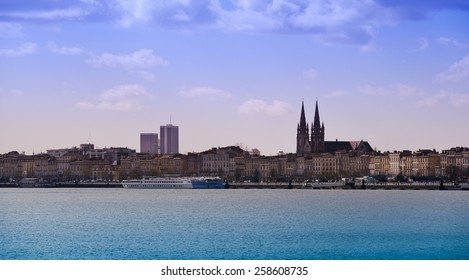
(233, 224)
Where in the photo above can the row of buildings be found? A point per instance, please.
(232, 163)
(315, 158)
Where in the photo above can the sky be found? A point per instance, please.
(233, 72)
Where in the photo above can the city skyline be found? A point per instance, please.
(394, 74)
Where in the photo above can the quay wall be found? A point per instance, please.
(341, 186)
(67, 185)
(335, 186)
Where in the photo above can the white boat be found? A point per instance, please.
(464, 187)
(158, 183)
(28, 182)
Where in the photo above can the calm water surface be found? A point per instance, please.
(233, 224)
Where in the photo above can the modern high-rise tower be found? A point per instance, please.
(149, 143)
(169, 139)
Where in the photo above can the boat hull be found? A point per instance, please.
(208, 183)
(157, 183)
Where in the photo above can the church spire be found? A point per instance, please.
(317, 122)
(317, 133)
(302, 117)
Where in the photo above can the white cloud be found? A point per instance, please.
(459, 100)
(452, 43)
(423, 44)
(352, 22)
(397, 89)
(368, 48)
(337, 93)
(259, 106)
(16, 92)
(181, 16)
(310, 74)
(143, 58)
(204, 92)
(407, 91)
(119, 98)
(337, 22)
(24, 49)
(456, 72)
(53, 14)
(149, 76)
(167, 13)
(455, 99)
(331, 22)
(10, 29)
(64, 50)
(373, 90)
(134, 11)
(432, 100)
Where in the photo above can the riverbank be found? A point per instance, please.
(67, 185)
(342, 186)
(319, 186)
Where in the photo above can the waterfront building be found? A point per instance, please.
(193, 168)
(63, 165)
(45, 167)
(149, 143)
(85, 148)
(90, 169)
(110, 154)
(220, 161)
(57, 153)
(422, 163)
(454, 162)
(11, 165)
(352, 164)
(291, 167)
(394, 164)
(169, 142)
(380, 165)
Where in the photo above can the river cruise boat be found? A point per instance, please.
(207, 183)
(158, 183)
(28, 183)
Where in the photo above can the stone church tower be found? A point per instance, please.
(303, 146)
(317, 133)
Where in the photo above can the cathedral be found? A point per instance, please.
(306, 145)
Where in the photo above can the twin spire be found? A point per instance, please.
(305, 145)
(317, 122)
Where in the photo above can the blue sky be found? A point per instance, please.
(394, 73)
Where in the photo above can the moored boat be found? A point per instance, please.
(208, 183)
(28, 183)
(158, 183)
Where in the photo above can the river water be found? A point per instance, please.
(233, 224)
